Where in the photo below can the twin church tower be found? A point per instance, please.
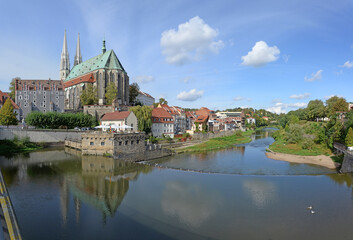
(99, 71)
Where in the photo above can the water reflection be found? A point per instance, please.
(190, 203)
(261, 191)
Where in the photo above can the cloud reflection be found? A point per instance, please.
(191, 203)
(262, 192)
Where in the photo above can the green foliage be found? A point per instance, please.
(111, 93)
(55, 120)
(12, 87)
(7, 115)
(315, 109)
(307, 143)
(153, 139)
(260, 122)
(186, 135)
(89, 95)
(144, 117)
(133, 93)
(295, 133)
(336, 104)
(17, 145)
(349, 138)
(197, 127)
(204, 127)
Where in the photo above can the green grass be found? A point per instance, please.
(17, 146)
(221, 142)
(281, 146)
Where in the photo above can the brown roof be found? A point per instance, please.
(35, 84)
(4, 96)
(161, 113)
(81, 79)
(204, 111)
(112, 116)
(201, 119)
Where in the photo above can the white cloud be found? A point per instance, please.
(281, 107)
(190, 96)
(314, 76)
(330, 96)
(186, 79)
(191, 42)
(347, 64)
(238, 98)
(277, 100)
(143, 79)
(260, 55)
(300, 96)
(285, 58)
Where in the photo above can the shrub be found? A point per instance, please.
(349, 138)
(307, 143)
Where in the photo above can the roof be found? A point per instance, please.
(204, 111)
(161, 113)
(145, 94)
(107, 60)
(31, 84)
(201, 119)
(112, 116)
(4, 96)
(85, 78)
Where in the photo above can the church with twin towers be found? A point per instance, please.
(99, 71)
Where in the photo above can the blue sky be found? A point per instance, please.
(276, 55)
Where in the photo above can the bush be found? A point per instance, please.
(307, 143)
(295, 133)
(349, 138)
(238, 134)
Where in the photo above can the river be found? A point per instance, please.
(235, 193)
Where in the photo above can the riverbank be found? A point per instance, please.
(220, 142)
(321, 160)
(281, 146)
(17, 146)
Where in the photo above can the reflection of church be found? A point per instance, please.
(99, 71)
(103, 185)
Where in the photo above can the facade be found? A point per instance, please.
(39, 95)
(350, 106)
(251, 120)
(237, 117)
(190, 119)
(145, 99)
(162, 123)
(120, 119)
(3, 97)
(179, 117)
(199, 122)
(99, 71)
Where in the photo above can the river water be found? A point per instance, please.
(230, 194)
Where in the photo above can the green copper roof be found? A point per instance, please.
(107, 60)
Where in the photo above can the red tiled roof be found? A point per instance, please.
(161, 113)
(115, 116)
(4, 96)
(146, 94)
(201, 119)
(204, 111)
(81, 79)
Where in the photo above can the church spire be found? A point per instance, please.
(103, 48)
(65, 61)
(78, 57)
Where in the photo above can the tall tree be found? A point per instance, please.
(12, 87)
(163, 101)
(144, 117)
(111, 93)
(133, 93)
(89, 95)
(7, 115)
(315, 109)
(336, 104)
(349, 138)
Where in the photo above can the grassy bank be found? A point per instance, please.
(281, 146)
(17, 146)
(220, 142)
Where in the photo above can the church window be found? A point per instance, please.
(44, 97)
(20, 97)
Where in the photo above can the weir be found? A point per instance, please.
(347, 164)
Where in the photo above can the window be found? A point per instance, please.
(138, 141)
(20, 97)
(126, 142)
(132, 142)
(120, 143)
(44, 96)
(91, 143)
(102, 143)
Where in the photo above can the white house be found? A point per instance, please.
(145, 98)
(120, 118)
(162, 123)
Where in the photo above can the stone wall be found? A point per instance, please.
(97, 143)
(347, 164)
(40, 136)
(207, 135)
(129, 146)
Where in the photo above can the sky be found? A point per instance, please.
(276, 55)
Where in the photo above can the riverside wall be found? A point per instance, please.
(347, 164)
(209, 135)
(40, 135)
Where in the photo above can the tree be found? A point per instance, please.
(349, 138)
(111, 93)
(13, 87)
(7, 115)
(133, 93)
(163, 101)
(315, 109)
(336, 104)
(144, 117)
(89, 95)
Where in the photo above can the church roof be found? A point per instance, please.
(107, 60)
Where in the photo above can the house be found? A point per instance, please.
(162, 123)
(120, 119)
(145, 98)
(350, 106)
(199, 123)
(237, 118)
(179, 117)
(213, 125)
(251, 120)
(3, 97)
(265, 117)
(190, 119)
(39, 95)
(204, 111)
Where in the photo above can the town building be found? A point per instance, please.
(145, 99)
(99, 71)
(3, 97)
(121, 119)
(179, 117)
(251, 120)
(39, 95)
(350, 106)
(162, 123)
(199, 123)
(237, 117)
(190, 119)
